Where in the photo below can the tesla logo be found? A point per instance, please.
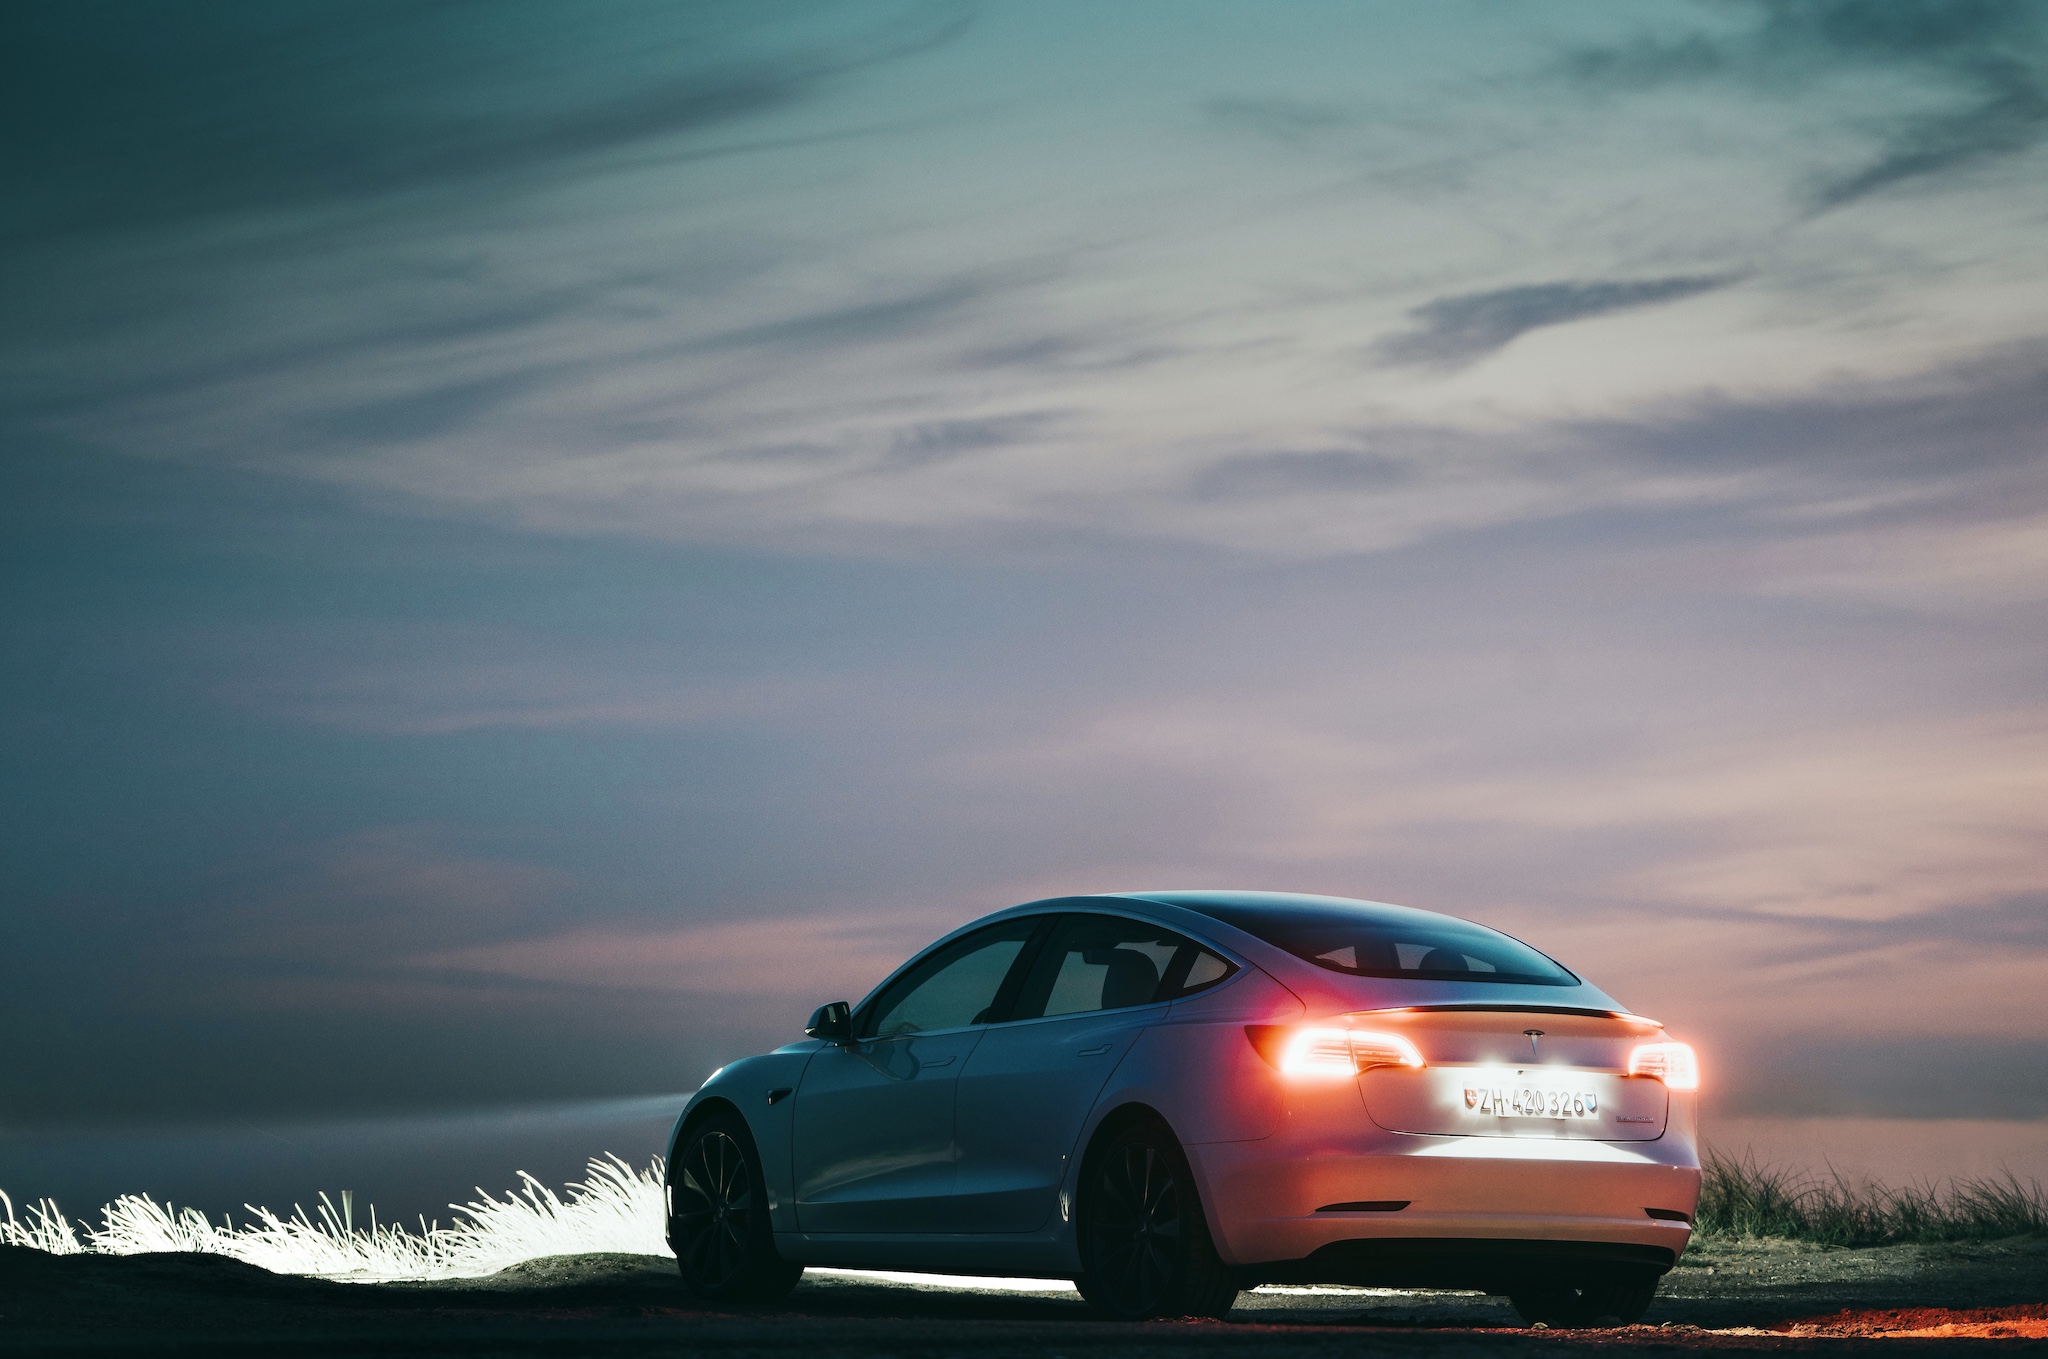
(1533, 1035)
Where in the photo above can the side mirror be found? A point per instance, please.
(833, 1023)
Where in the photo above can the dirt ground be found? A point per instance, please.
(1774, 1296)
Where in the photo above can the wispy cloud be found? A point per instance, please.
(1286, 472)
(845, 955)
(1466, 327)
(1986, 63)
(197, 115)
(1286, 120)
(685, 352)
(443, 681)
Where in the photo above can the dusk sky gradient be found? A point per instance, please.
(543, 541)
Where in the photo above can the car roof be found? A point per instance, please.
(1324, 991)
(1196, 900)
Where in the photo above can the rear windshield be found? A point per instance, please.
(1389, 941)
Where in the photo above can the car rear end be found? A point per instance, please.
(1454, 1131)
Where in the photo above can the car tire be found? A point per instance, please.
(1615, 1300)
(1144, 1241)
(718, 1217)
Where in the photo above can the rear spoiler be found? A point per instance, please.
(1506, 1008)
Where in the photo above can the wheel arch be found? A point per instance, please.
(709, 1107)
(1124, 1115)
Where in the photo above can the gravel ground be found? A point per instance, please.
(1777, 1296)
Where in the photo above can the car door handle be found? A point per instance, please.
(1095, 1052)
(935, 1062)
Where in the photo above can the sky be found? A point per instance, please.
(543, 542)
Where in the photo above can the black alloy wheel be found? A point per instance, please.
(1615, 1300)
(725, 1247)
(1145, 1245)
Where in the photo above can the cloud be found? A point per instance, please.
(835, 352)
(1282, 473)
(1927, 493)
(1989, 59)
(1466, 327)
(942, 440)
(1995, 55)
(2011, 116)
(444, 681)
(424, 414)
(1874, 824)
(138, 114)
(787, 956)
(354, 901)
(1287, 120)
(859, 322)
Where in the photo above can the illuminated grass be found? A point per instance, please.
(1743, 1199)
(614, 1209)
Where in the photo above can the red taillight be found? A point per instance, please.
(1319, 1052)
(1675, 1064)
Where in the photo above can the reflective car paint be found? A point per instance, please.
(1023, 1100)
(873, 1143)
(1274, 1159)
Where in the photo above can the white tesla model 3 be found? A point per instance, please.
(1170, 1096)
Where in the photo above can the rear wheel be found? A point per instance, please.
(1145, 1246)
(1617, 1300)
(725, 1247)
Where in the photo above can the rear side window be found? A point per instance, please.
(1100, 962)
(1391, 941)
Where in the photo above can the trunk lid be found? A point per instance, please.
(1486, 1078)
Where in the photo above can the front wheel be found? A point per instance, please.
(1145, 1246)
(1616, 1300)
(718, 1217)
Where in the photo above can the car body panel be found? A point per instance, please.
(1295, 1175)
(872, 1141)
(1024, 1097)
(1240, 1101)
(1266, 1202)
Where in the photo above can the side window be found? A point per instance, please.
(1101, 962)
(952, 988)
(1204, 969)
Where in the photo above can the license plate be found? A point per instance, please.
(1528, 1101)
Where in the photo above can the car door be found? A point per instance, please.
(872, 1136)
(1093, 987)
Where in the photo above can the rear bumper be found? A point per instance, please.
(1498, 1207)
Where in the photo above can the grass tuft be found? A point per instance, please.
(46, 1229)
(1743, 1199)
(615, 1208)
